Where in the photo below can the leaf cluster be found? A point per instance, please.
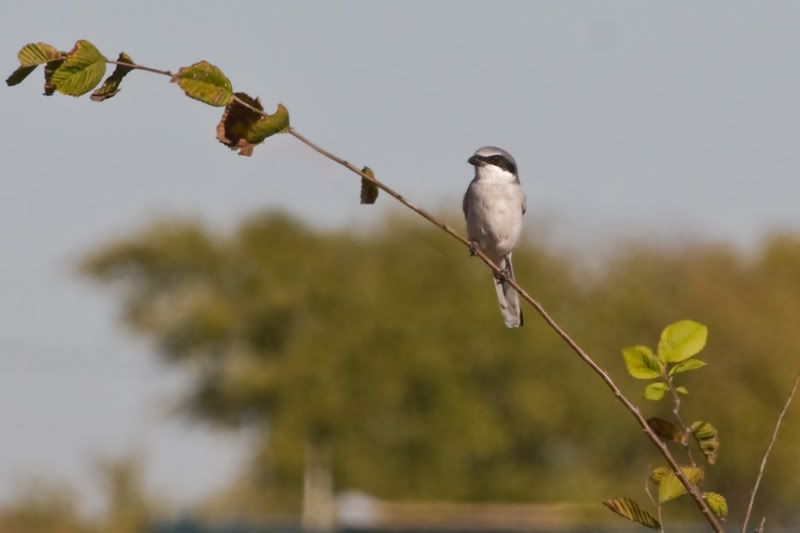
(244, 123)
(678, 345)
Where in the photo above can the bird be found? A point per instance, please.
(493, 207)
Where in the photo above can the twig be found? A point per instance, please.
(766, 455)
(676, 401)
(692, 489)
(655, 503)
(140, 67)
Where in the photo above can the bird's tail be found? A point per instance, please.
(508, 297)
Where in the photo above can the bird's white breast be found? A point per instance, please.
(493, 208)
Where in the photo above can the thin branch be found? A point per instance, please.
(655, 503)
(676, 402)
(692, 489)
(766, 455)
(140, 67)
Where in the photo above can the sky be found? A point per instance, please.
(670, 121)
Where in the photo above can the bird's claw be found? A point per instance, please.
(473, 248)
(504, 275)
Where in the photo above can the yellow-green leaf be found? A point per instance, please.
(206, 83)
(264, 127)
(707, 439)
(682, 340)
(629, 509)
(681, 390)
(81, 71)
(685, 366)
(717, 502)
(671, 487)
(655, 391)
(641, 362)
(658, 474)
(30, 56)
(369, 191)
(665, 429)
(34, 54)
(110, 87)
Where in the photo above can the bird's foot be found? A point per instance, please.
(504, 274)
(473, 248)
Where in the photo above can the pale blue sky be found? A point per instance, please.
(675, 119)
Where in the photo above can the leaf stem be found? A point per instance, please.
(629, 406)
(676, 401)
(766, 455)
(140, 67)
(655, 503)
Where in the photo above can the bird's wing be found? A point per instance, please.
(524, 203)
(464, 200)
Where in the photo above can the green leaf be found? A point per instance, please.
(658, 474)
(110, 87)
(30, 56)
(264, 127)
(707, 439)
(629, 509)
(681, 390)
(641, 362)
(685, 366)
(666, 430)
(717, 502)
(81, 71)
(34, 54)
(655, 391)
(369, 191)
(682, 340)
(18, 75)
(206, 83)
(671, 487)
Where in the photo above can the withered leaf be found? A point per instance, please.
(242, 127)
(49, 69)
(18, 75)
(666, 430)
(110, 87)
(369, 191)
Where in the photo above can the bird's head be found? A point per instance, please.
(494, 162)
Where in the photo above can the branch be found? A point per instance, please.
(655, 503)
(766, 455)
(692, 489)
(676, 411)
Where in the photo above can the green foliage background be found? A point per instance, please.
(386, 352)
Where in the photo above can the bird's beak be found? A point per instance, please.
(475, 161)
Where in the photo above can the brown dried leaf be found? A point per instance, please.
(666, 430)
(369, 191)
(236, 121)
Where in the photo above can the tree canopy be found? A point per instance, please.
(386, 350)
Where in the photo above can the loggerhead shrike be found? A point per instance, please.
(493, 206)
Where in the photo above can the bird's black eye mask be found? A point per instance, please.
(502, 162)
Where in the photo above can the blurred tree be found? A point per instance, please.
(47, 507)
(129, 510)
(385, 352)
(43, 507)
